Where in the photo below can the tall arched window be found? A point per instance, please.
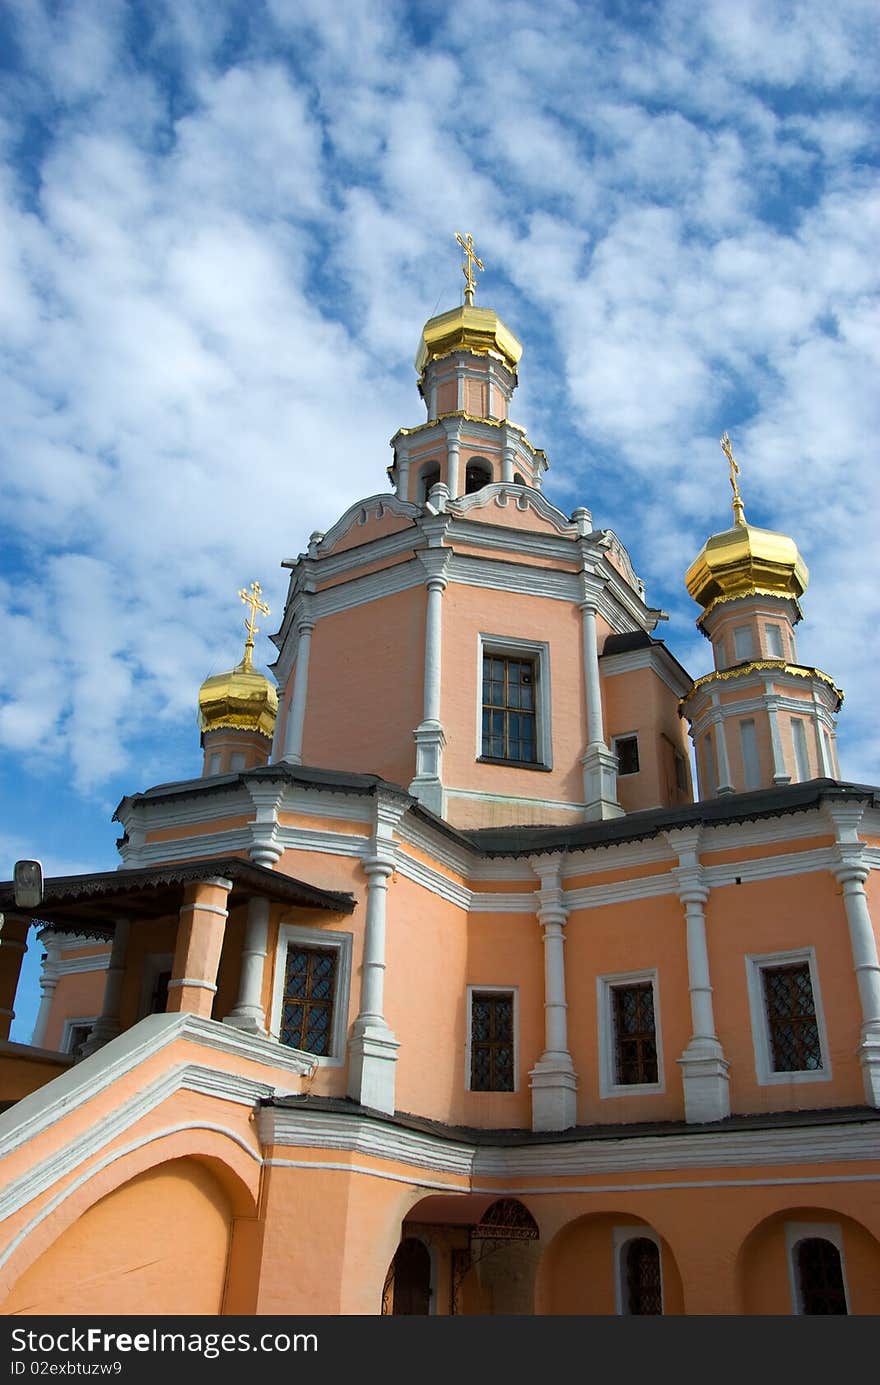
(518, 480)
(478, 474)
(819, 1277)
(641, 1282)
(428, 477)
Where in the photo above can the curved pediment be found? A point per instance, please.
(373, 518)
(519, 507)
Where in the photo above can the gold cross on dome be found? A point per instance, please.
(739, 514)
(467, 268)
(252, 598)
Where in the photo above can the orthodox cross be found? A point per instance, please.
(252, 598)
(739, 514)
(467, 268)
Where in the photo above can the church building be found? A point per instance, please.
(444, 989)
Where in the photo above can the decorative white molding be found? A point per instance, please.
(654, 657)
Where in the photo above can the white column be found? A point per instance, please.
(403, 478)
(704, 1068)
(248, 1012)
(48, 981)
(296, 716)
(106, 1027)
(725, 783)
(780, 774)
(851, 872)
(599, 763)
(508, 460)
(453, 460)
(553, 1078)
(427, 785)
(372, 1049)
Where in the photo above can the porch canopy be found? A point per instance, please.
(89, 905)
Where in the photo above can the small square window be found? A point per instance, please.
(773, 636)
(626, 749)
(492, 1048)
(743, 643)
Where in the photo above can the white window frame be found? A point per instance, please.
(622, 1235)
(738, 656)
(485, 990)
(777, 631)
(766, 1074)
(751, 760)
(608, 1084)
(512, 647)
(628, 736)
(71, 1023)
(797, 1231)
(317, 938)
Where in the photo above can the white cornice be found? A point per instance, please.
(286, 1128)
(359, 513)
(656, 658)
(70, 966)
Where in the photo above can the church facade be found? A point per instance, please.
(444, 990)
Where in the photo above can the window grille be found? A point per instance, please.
(509, 716)
(635, 1037)
(492, 1041)
(820, 1277)
(309, 991)
(644, 1292)
(791, 1018)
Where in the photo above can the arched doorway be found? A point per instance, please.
(407, 1289)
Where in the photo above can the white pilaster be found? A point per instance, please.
(453, 452)
(427, 786)
(553, 1078)
(508, 461)
(704, 1068)
(599, 763)
(851, 872)
(372, 1048)
(248, 1012)
(106, 1027)
(296, 716)
(826, 769)
(264, 849)
(725, 783)
(48, 981)
(780, 774)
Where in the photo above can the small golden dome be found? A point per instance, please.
(242, 699)
(744, 561)
(468, 329)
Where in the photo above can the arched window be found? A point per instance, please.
(478, 474)
(819, 1276)
(428, 477)
(642, 1288)
(518, 480)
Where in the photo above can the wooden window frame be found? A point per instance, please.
(609, 1084)
(321, 941)
(500, 991)
(538, 653)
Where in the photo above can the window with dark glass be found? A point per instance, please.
(627, 750)
(509, 712)
(77, 1038)
(641, 1264)
(159, 993)
(492, 1041)
(635, 1038)
(820, 1277)
(476, 476)
(791, 1018)
(309, 991)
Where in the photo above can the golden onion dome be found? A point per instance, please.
(745, 560)
(468, 329)
(242, 699)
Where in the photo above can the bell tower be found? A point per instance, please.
(761, 718)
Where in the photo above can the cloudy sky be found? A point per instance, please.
(222, 227)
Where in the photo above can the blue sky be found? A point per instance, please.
(222, 228)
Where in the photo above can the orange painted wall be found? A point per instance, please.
(640, 702)
(578, 1270)
(467, 611)
(764, 1269)
(77, 996)
(366, 671)
(126, 1254)
(771, 916)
